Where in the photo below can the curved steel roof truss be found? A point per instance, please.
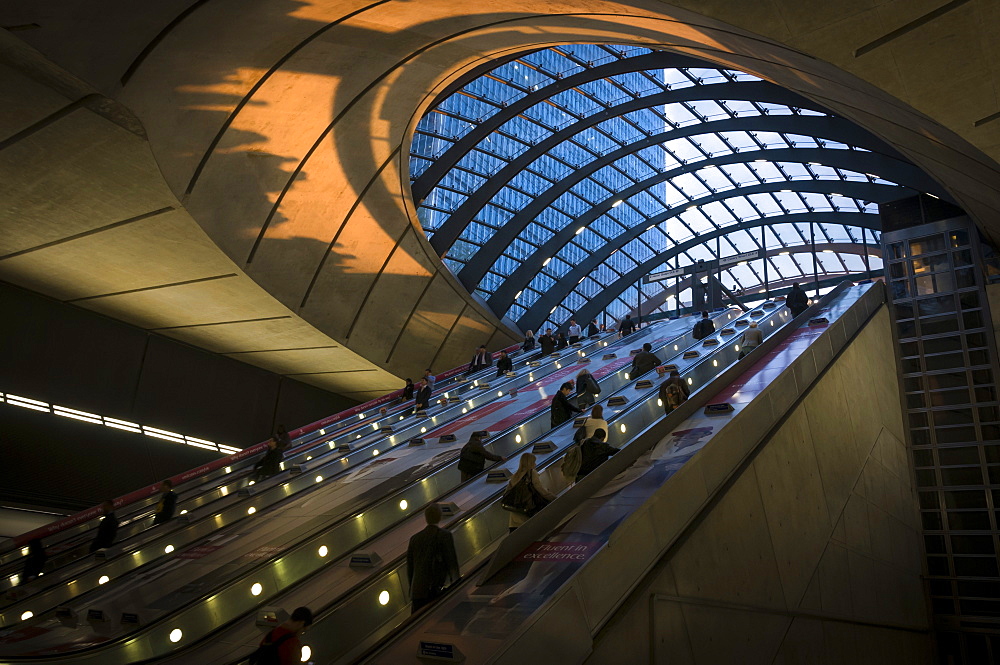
(555, 180)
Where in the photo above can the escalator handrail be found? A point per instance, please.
(149, 490)
(555, 512)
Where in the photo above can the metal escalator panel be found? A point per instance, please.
(232, 598)
(481, 621)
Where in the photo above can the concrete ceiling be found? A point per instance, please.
(234, 174)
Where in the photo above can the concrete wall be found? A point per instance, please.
(236, 175)
(811, 555)
(66, 355)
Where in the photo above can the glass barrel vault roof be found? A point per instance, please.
(552, 181)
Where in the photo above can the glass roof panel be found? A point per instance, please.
(486, 225)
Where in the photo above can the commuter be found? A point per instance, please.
(592, 329)
(595, 452)
(270, 463)
(481, 360)
(168, 500)
(107, 529)
(281, 645)
(561, 341)
(587, 389)
(704, 327)
(541, 495)
(797, 300)
(575, 332)
(674, 391)
(431, 562)
(594, 422)
(752, 338)
(529, 341)
(429, 378)
(643, 361)
(34, 561)
(627, 326)
(562, 409)
(422, 400)
(472, 461)
(408, 390)
(283, 438)
(547, 343)
(504, 364)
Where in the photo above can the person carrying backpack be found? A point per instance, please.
(595, 452)
(674, 391)
(703, 328)
(281, 646)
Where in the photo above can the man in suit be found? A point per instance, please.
(423, 398)
(431, 562)
(561, 408)
(481, 360)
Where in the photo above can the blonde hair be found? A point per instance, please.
(524, 467)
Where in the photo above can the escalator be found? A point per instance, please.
(548, 586)
(310, 519)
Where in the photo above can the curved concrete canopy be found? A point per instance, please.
(236, 175)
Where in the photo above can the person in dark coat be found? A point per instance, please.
(34, 562)
(529, 341)
(592, 329)
(473, 458)
(562, 409)
(481, 360)
(797, 300)
(643, 361)
(547, 343)
(107, 529)
(168, 501)
(431, 561)
(674, 391)
(627, 326)
(595, 451)
(561, 341)
(704, 327)
(423, 397)
(504, 364)
(283, 438)
(587, 389)
(408, 390)
(270, 462)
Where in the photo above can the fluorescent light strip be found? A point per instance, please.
(16, 400)
(123, 424)
(135, 428)
(162, 434)
(77, 415)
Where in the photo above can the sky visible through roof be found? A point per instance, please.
(619, 174)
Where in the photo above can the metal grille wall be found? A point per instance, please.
(947, 352)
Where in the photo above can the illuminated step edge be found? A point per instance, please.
(107, 421)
